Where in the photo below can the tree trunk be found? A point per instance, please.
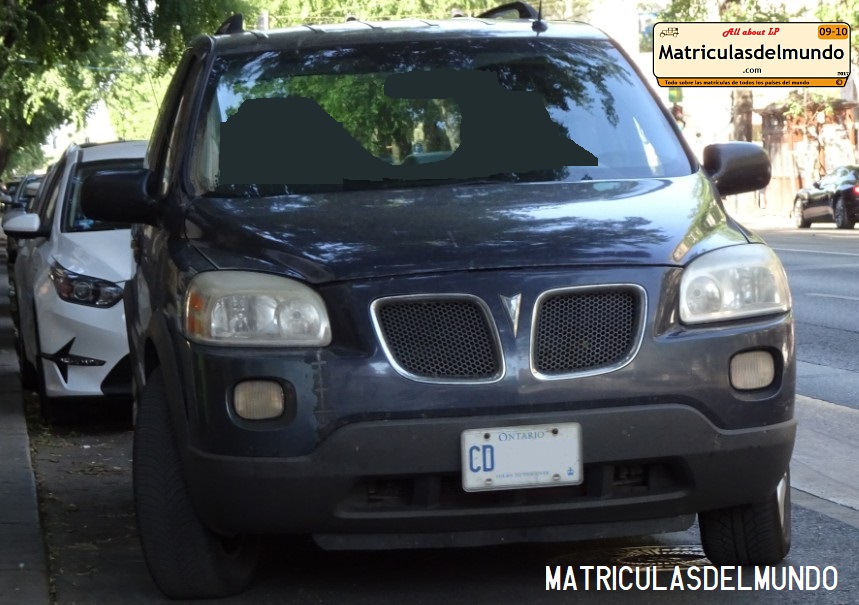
(742, 114)
(4, 157)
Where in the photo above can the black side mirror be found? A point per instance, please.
(737, 167)
(119, 196)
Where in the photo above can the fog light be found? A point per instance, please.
(258, 399)
(752, 370)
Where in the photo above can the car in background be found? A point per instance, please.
(832, 199)
(20, 194)
(69, 276)
(23, 195)
(554, 333)
(7, 190)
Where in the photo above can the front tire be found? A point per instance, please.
(798, 219)
(843, 219)
(187, 560)
(29, 379)
(750, 534)
(52, 409)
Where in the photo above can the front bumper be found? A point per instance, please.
(643, 465)
(84, 349)
(365, 450)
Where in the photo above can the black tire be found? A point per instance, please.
(750, 534)
(53, 410)
(798, 220)
(26, 369)
(186, 559)
(843, 220)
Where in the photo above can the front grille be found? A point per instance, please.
(586, 330)
(439, 338)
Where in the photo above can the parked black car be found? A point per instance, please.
(555, 333)
(834, 198)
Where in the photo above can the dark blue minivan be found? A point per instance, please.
(547, 328)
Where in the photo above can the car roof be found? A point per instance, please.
(114, 150)
(363, 32)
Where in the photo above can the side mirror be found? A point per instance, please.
(737, 167)
(25, 226)
(119, 196)
(816, 184)
(32, 188)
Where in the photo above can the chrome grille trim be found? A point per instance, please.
(636, 336)
(492, 332)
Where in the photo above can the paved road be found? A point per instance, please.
(823, 268)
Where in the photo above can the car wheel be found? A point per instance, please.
(186, 558)
(29, 379)
(49, 407)
(798, 219)
(843, 220)
(750, 534)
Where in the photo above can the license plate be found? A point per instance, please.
(516, 457)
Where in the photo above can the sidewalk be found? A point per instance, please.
(23, 561)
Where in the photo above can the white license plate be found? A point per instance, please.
(515, 457)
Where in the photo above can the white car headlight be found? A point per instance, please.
(254, 309)
(82, 289)
(734, 282)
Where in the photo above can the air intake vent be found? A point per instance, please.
(586, 330)
(439, 339)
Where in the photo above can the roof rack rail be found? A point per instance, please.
(232, 25)
(525, 11)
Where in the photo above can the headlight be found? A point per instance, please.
(734, 282)
(84, 290)
(254, 309)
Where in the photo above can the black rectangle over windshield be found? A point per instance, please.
(516, 110)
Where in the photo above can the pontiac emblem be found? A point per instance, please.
(512, 304)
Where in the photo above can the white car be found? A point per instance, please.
(70, 272)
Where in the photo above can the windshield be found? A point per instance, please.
(73, 217)
(520, 110)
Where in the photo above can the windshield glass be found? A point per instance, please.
(536, 109)
(73, 217)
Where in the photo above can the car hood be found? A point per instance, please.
(102, 254)
(381, 233)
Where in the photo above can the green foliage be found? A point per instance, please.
(135, 95)
(846, 11)
(283, 13)
(805, 104)
(725, 10)
(26, 160)
(49, 67)
(168, 25)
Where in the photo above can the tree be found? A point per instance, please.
(846, 11)
(168, 25)
(135, 94)
(59, 57)
(46, 49)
